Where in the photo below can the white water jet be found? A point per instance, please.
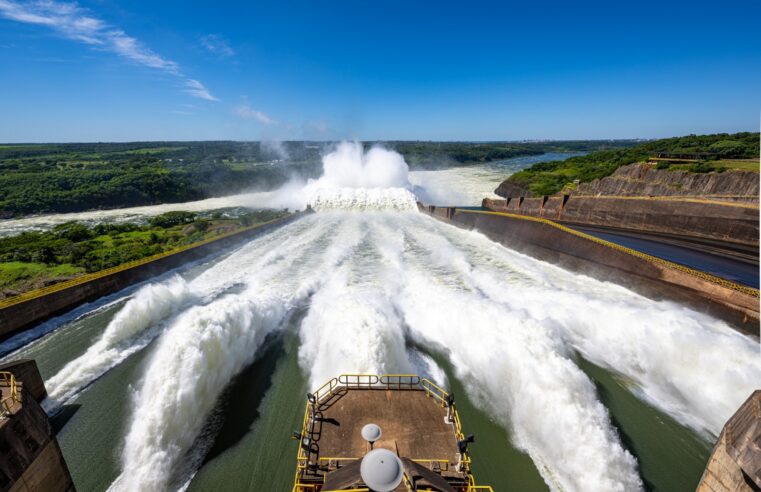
(150, 304)
(194, 361)
(689, 365)
(207, 345)
(509, 324)
(351, 331)
(353, 179)
(364, 199)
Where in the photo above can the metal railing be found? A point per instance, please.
(385, 381)
(8, 380)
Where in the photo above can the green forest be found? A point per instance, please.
(55, 178)
(35, 259)
(547, 178)
(75, 177)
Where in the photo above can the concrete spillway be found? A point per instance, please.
(650, 275)
(31, 459)
(197, 377)
(360, 288)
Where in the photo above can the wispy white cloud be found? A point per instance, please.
(73, 22)
(197, 89)
(248, 113)
(217, 45)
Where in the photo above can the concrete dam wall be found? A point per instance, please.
(696, 218)
(26, 310)
(31, 459)
(735, 463)
(651, 276)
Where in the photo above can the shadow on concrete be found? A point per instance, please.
(60, 419)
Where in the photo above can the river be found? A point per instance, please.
(197, 379)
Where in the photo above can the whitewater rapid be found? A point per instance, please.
(367, 278)
(460, 185)
(371, 282)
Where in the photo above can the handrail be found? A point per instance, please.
(8, 379)
(371, 381)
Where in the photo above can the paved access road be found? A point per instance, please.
(734, 262)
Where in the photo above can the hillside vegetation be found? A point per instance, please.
(54, 178)
(434, 155)
(36, 259)
(75, 177)
(547, 178)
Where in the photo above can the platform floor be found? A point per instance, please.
(413, 425)
(5, 392)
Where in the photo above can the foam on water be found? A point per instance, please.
(352, 325)
(150, 304)
(139, 321)
(693, 367)
(193, 362)
(364, 199)
(511, 326)
(206, 346)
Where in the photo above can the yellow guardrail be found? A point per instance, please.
(8, 380)
(33, 294)
(652, 259)
(385, 381)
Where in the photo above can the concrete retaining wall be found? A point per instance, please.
(735, 463)
(704, 219)
(37, 306)
(31, 459)
(26, 370)
(650, 276)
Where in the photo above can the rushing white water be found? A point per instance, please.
(378, 276)
(206, 346)
(690, 365)
(11, 227)
(364, 199)
(151, 304)
(469, 185)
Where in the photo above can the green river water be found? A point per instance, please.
(265, 403)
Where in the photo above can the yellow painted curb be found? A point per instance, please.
(652, 259)
(33, 294)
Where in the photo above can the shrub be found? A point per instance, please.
(171, 219)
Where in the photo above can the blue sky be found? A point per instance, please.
(104, 70)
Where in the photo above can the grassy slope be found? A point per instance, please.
(34, 260)
(547, 178)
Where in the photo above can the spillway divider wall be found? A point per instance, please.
(652, 259)
(25, 310)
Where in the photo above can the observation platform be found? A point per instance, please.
(419, 423)
(31, 459)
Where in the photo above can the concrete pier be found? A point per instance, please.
(30, 458)
(735, 463)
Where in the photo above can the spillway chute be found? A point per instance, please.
(363, 200)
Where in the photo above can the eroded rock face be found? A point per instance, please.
(511, 190)
(644, 180)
